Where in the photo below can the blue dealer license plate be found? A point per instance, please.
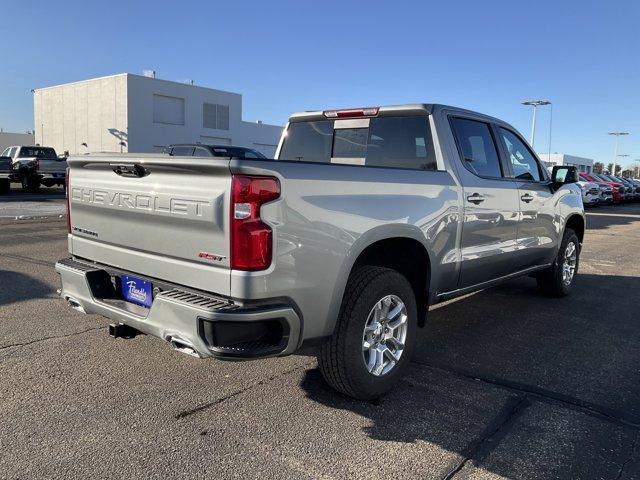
(136, 290)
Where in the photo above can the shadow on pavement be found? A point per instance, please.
(18, 287)
(552, 358)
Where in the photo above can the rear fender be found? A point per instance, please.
(382, 232)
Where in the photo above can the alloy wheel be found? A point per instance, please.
(384, 335)
(569, 263)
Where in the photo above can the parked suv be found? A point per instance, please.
(590, 192)
(617, 188)
(224, 151)
(606, 189)
(365, 218)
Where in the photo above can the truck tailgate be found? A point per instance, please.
(160, 217)
(52, 165)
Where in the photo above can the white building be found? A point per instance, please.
(133, 113)
(583, 164)
(8, 139)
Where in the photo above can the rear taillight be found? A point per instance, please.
(67, 193)
(251, 238)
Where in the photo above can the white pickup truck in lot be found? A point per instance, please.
(34, 166)
(337, 246)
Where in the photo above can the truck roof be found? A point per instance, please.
(389, 110)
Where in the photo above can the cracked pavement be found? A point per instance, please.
(505, 384)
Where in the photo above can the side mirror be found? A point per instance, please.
(563, 174)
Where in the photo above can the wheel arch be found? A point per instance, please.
(401, 247)
(576, 223)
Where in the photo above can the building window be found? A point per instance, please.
(215, 116)
(168, 110)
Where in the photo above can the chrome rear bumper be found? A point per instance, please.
(191, 322)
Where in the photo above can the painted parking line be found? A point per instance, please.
(624, 215)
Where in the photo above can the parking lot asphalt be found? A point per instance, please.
(505, 383)
(48, 202)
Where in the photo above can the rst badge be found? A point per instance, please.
(211, 256)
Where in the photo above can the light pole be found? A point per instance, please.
(615, 149)
(535, 104)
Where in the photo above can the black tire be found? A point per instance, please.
(341, 358)
(30, 184)
(551, 281)
(5, 187)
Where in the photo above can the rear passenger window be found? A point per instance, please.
(523, 163)
(477, 148)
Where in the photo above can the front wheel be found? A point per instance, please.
(558, 281)
(374, 336)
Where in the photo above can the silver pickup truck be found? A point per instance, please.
(337, 246)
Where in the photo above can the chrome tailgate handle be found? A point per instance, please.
(130, 170)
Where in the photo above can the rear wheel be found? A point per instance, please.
(375, 334)
(558, 281)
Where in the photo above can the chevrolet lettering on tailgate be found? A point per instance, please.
(139, 201)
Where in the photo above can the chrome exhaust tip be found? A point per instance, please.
(182, 347)
(75, 304)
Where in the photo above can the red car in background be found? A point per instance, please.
(617, 196)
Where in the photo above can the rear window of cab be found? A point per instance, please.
(393, 142)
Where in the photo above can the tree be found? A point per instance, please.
(610, 169)
(598, 167)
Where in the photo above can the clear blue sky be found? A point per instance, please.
(301, 55)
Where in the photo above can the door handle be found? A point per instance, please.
(526, 198)
(475, 198)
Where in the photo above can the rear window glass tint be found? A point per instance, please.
(308, 141)
(350, 142)
(397, 142)
(37, 152)
(401, 142)
(477, 147)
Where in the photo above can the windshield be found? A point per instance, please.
(40, 152)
